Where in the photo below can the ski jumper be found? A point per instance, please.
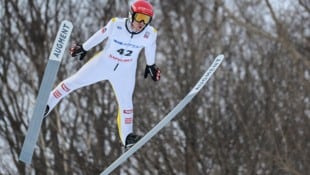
(117, 63)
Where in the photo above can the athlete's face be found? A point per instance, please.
(137, 26)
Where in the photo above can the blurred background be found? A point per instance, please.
(252, 117)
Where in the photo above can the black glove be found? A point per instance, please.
(77, 50)
(153, 71)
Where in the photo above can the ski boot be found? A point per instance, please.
(131, 139)
(46, 110)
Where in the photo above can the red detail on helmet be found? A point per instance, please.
(142, 6)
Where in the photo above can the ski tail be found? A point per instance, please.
(179, 107)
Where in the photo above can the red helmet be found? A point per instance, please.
(142, 6)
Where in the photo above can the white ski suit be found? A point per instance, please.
(117, 63)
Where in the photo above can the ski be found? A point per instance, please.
(49, 76)
(203, 80)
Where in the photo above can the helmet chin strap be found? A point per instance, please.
(129, 25)
(130, 19)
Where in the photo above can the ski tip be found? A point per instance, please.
(67, 23)
(221, 56)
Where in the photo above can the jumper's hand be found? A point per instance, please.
(153, 71)
(77, 51)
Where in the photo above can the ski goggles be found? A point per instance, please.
(139, 17)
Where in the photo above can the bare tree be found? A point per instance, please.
(70, 139)
(251, 118)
